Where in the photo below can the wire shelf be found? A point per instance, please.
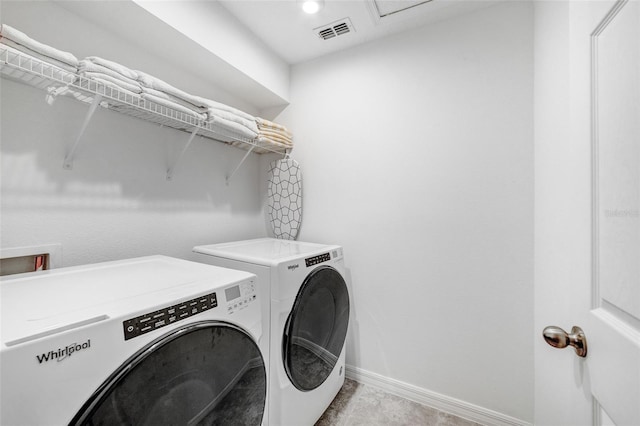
(59, 82)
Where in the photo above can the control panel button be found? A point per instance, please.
(243, 294)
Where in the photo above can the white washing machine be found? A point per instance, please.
(309, 316)
(146, 341)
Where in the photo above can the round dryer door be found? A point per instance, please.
(316, 329)
(203, 374)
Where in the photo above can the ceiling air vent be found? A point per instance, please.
(335, 29)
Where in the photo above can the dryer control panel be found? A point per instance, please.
(315, 260)
(324, 257)
(148, 322)
(240, 296)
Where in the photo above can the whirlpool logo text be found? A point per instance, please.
(63, 353)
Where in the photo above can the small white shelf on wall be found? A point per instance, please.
(57, 82)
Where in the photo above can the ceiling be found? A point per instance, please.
(293, 34)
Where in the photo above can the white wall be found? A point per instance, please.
(116, 202)
(417, 156)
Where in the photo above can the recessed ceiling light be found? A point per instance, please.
(311, 6)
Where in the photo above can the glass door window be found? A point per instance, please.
(316, 328)
(206, 373)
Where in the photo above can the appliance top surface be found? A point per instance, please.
(40, 301)
(263, 251)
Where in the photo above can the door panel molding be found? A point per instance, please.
(595, 143)
(613, 322)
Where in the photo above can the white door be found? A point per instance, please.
(587, 229)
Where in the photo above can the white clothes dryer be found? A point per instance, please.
(309, 316)
(146, 341)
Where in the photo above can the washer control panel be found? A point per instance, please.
(240, 295)
(148, 322)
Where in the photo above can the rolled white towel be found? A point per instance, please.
(22, 39)
(114, 66)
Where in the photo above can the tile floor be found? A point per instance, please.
(361, 405)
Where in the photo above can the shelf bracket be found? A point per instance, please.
(228, 178)
(171, 169)
(54, 92)
(68, 160)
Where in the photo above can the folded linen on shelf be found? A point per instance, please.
(271, 132)
(215, 113)
(155, 83)
(157, 86)
(26, 42)
(277, 137)
(163, 95)
(115, 82)
(89, 66)
(172, 105)
(223, 107)
(217, 120)
(15, 56)
(230, 128)
(35, 55)
(114, 66)
(270, 125)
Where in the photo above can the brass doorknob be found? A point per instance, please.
(558, 338)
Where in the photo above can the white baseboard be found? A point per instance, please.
(435, 400)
